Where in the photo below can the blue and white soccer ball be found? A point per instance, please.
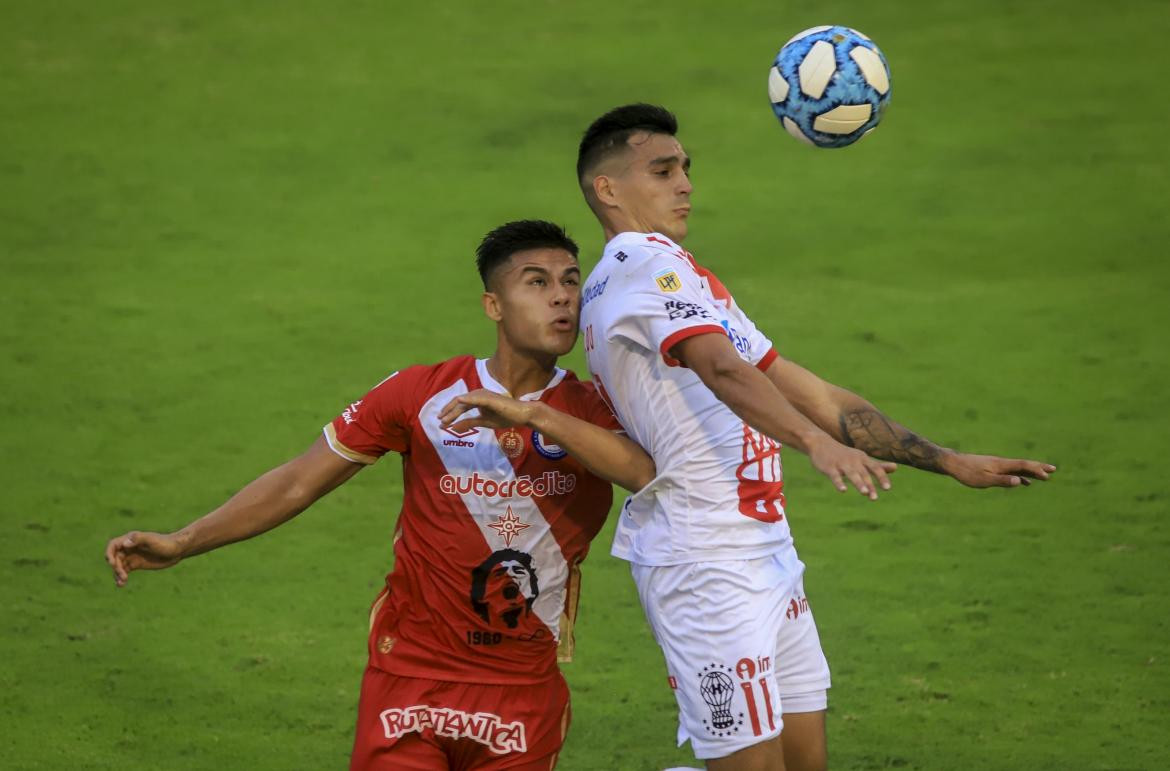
(829, 86)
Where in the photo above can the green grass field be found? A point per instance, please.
(219, 223)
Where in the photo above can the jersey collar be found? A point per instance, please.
(491, 384)
(629, 238)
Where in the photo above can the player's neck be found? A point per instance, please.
(521, 373)
(617, 222)
(612, 230)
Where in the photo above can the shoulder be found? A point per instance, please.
(582, 399)
(421, 380)
(573, 394)
(650, 259)
(571, 386)
(456, 368)
(634, 248)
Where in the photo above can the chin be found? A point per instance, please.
(560, 348)
(675, 232)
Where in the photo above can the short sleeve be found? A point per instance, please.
(760, 350)
(662, 304)
(748, 339)
(379, 422)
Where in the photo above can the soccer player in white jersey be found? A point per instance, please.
(702, 389)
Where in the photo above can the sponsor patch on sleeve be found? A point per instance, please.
(667, 280)
(681, 309)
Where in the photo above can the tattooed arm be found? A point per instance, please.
(854, 421)
(861, 425)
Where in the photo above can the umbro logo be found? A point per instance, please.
(460, 439)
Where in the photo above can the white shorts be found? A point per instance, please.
(741, 647)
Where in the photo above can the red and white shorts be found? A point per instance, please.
(740, 644)
(407, 723)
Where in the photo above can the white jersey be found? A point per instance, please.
(718, 494)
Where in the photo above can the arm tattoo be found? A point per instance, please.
(873, 433)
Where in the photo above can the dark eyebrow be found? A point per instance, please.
(668, 160)
(533, 269)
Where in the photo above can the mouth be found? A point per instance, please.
(683, 211)
(564, 324)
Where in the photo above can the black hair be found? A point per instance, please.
(500, 244)
(612, 131)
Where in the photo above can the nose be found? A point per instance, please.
(563, 297)
(685, 188)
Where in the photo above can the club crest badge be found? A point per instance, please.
(668, 281)
(717, 689)
(511, 443)
(546, 450)
(386, 643)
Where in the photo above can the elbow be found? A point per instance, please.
(295, 500)
(644, 473)
(727, 368)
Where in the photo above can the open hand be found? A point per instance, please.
(141, 551)
(840, 463)
(993, 471)
(495, 411)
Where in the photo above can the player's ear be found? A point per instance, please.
(491, 306)
(603, 190)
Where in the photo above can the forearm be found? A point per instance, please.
(603, 452)
(862, 425)
(261, 505)
(853, 421)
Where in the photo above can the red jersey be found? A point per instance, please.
(493, 528)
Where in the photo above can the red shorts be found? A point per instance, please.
(413, 723)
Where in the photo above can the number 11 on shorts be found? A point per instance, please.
(746, 669)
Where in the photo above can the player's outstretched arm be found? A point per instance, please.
(264, 503)
(857, 423)
(608, 455)
(754, 398)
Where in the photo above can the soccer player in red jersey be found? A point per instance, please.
(465, 637)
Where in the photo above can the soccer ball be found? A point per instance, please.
(829, 86)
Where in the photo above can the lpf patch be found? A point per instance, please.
(511, 443)
(386, 643)
(546, 450)
(718, 689)
(667, 280)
